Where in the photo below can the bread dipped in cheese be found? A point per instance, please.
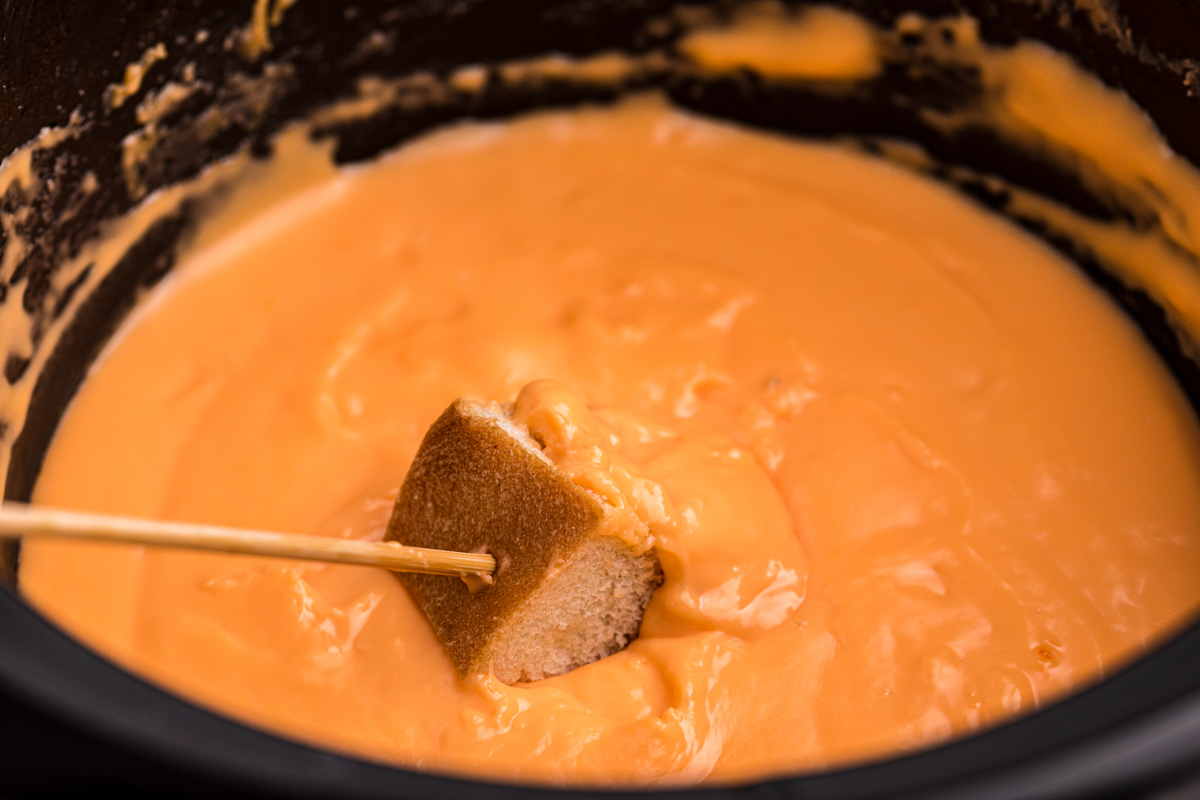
(574, 569)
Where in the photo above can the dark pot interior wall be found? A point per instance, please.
(56, 58)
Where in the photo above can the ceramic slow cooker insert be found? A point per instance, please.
(260, 67)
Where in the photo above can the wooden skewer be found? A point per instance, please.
(18, 519)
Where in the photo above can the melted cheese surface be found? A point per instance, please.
(919, 474)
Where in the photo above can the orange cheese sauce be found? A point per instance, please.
(918, 474)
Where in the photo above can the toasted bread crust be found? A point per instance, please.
(476, 485)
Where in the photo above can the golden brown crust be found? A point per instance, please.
(474, 485)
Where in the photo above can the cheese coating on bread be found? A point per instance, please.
(566, 591)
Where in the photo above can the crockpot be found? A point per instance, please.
(72, 720)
